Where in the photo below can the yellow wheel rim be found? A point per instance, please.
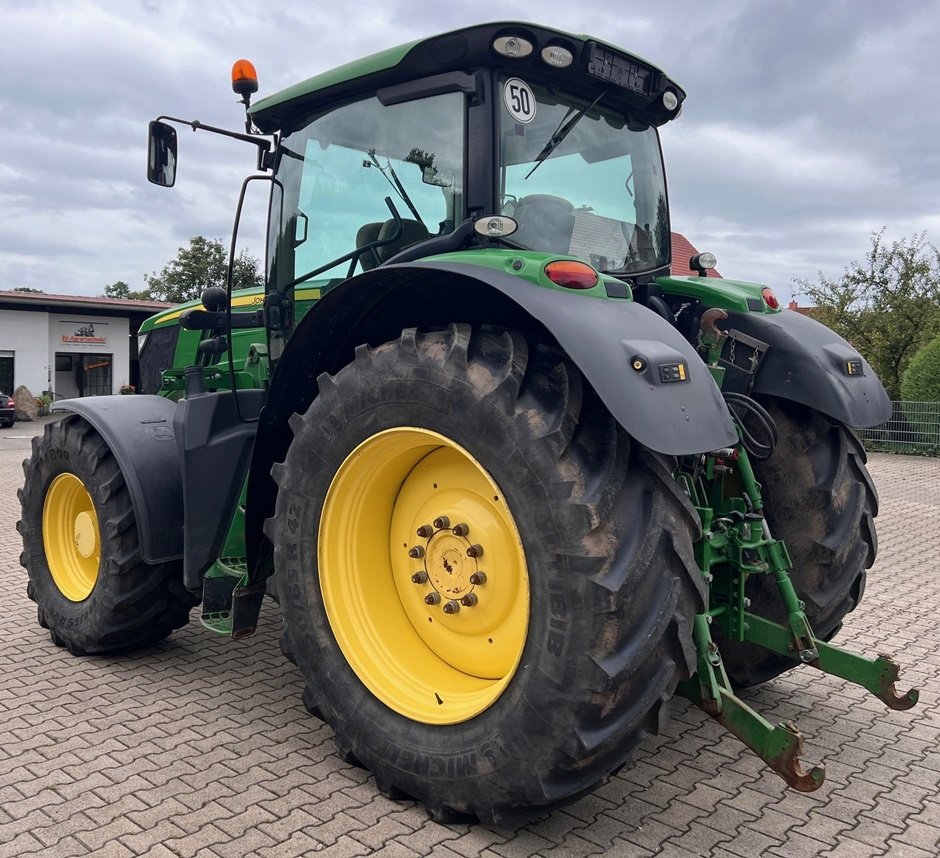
(71, 538)
(423, 576)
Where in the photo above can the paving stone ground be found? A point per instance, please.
(200, 746)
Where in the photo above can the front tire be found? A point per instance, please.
(94, 592)
(573, 643)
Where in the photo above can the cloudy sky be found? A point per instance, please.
(807, 124)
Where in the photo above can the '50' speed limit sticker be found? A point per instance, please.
(519, 100)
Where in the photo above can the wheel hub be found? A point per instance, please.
(429, 632)
(448, 566)
(70, 537)
(86, 539)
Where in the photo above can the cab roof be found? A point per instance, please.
(462, 50)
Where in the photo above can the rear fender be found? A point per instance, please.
(808, 363)
(602, 336)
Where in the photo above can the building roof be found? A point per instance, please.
(682, 251)
(44, 302)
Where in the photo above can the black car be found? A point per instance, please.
(6, 411)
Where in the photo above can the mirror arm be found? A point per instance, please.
(262, 143)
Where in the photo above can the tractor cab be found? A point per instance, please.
(553, 134)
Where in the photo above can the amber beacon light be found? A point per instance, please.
(244, 79)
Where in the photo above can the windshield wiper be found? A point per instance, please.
(561, 132)
(396, 184)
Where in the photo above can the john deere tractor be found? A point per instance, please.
(513, 485)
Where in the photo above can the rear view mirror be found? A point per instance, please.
(161, 154)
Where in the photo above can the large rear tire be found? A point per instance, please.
(820, 499)
(425, 462)
(80, 547)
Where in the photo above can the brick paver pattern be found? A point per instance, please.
(200, 746)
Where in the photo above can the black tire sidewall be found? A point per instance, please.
(490, 435)
(528, 749)
(74, 620)
(104, 621)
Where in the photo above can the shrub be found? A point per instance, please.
(921, 380)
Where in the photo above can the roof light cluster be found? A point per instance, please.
(518, 47)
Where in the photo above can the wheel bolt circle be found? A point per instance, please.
(432, 598)
(461, 529)
(442, 522)
(475, 551)
(420, 578)
(451, 607)
(425, 531)
(417, 552)
(478, 578)
(469, 600)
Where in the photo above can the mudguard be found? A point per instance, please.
(810, 364)
(139, 431)
(215, 435)
(604, 337)
(630, 355)
(608, 340)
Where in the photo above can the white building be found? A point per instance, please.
(73, 345)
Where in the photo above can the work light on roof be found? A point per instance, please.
(514, 47)
(557, 56)
(670, 100)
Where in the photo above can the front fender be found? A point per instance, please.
(139, 432)
(808, 363)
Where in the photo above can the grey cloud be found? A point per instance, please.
(839, 93)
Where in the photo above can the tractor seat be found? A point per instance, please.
(546, 222)
(412, 231)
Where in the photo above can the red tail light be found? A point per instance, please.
(571, 274)
(770, 299)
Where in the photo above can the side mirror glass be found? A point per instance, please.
(161, 154)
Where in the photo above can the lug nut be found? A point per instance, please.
(425, 531)
(461, 529)
(469, 600)
(417, 552)
(432, 598)
(478, 578)
(451, 607)
(475, 551)
(441, 522)
(420, 578)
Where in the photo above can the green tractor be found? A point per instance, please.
(512, 484)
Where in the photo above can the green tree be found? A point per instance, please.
(120, 289)
(888, 306)
(202, 263)
(27, 289)
(921, 380)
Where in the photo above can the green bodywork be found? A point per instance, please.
(718, 292)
